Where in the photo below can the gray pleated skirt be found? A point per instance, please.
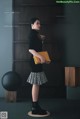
(38, 78)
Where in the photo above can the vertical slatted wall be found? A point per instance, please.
(51, 16)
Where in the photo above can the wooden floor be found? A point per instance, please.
(59, 109)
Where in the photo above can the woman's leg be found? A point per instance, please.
(35, 92)
(36, 109)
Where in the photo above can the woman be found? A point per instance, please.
(37, 76)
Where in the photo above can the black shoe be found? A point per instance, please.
(38, 110)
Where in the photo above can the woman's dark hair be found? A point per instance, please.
(34, 19)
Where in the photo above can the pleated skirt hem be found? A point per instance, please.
(37, 78)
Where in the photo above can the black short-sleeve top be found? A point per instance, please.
(35, 43)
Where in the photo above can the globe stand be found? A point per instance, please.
(11, 82)
(37, 115)
(10, 96)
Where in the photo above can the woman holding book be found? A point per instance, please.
(37, 77)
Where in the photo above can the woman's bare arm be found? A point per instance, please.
(34, 53)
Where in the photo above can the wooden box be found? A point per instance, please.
(72, 76)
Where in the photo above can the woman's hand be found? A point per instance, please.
(42, 59)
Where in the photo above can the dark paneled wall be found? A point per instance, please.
(51, 16)
(72, 35)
